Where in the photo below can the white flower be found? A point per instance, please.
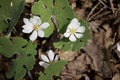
(118, 47)
(46, 60)
(35, 26)
(74, 30)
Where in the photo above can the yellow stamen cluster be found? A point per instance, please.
(50, 62)
(72, 31)
(36, 27)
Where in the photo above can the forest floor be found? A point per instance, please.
(99, 59)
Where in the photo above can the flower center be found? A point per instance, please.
(50, 62)
(36, 27)
(72, 31)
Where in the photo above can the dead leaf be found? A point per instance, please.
(108, 40)
(94, 26)
(4, 66)
(74, 70)
(29, 1)
(100, 55)
(80, 13)
(98, 77)
(68, 55)
(116, 76)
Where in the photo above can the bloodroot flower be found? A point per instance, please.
(46, 60)
(35, 26)
(118, 47)
(74, 30)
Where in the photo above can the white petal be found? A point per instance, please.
(35, 20)
(74, 20)
(51, 55)
(43, 64)
(44, 25)
(27, 26)
(66, 34)
(56, 58)
(45, 58)
(74, 23)
(41, 33)
(78, 35)
(81, 29)
(68, 30)
(77, 25)
(33, 35)
(118, 47)
(26, 21)
(72, 38)
(27, 29)
(71, 25)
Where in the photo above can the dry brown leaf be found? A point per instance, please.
(116, 76)
(80, 13)
(118, 33)
(29, 1)
(86, 3)
(98, 77)
(68, 55)
(100, 55)
(108, 41)
(116, 71)
(4, 66)
(74, 70)
(94, 26)
(73, 5)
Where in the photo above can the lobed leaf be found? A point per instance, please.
(10, 10)
(25, 55)
(52, 70)
(59, 9)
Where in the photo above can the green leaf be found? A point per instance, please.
(66, 45)
(52, 70)
(5, 9)
(15, 15)
(3, 25)
(25, 55)
(58, 9)
(10, 9)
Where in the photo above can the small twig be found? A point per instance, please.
(97, 13)
(103, 14)
(92, 10)
(108, 6)
(112, 6)
(54, 22)
(103, 3)
(30, 75)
